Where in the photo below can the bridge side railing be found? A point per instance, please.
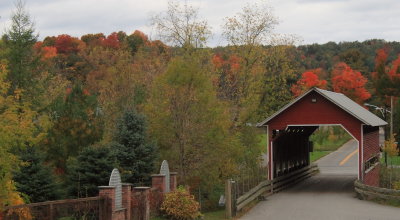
(235, 203)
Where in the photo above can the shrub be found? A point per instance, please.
(396, 185)
(180, 205)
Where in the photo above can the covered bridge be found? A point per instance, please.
(289, 130)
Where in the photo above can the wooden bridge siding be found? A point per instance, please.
(370, 149)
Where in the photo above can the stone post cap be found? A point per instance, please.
(127, 184)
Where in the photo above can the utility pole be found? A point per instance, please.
(391, 116)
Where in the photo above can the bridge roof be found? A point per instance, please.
(341, 101)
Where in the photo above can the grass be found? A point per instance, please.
(318, 154)
(395, 161)
(330, 145)
(327, 140)
(216, 215)
(263, 139)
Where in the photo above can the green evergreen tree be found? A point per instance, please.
(34, 179)
(92, 168)
(134, 152)
(19, 40)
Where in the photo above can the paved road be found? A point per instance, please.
(327, 196)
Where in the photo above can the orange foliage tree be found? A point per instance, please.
(349, 82)
(308, 80)
(228, 76)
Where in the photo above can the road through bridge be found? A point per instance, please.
(328, 195)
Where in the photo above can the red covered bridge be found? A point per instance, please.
(289, 130)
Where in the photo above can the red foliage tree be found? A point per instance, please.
(394, 75)
(386, 78)
(66, 44)
(228, 75)
(111, 41)
(349, 82)
(308, 80)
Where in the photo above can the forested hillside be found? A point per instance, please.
(74, 107)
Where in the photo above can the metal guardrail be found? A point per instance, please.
(367, 192)
(265, 187)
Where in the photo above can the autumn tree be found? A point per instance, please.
(251, 26)
(191, 125)
(386, 78)
(93, 40)
(309, 79)
(77, 123)
(349, 82)
(181, 26)
(150, 60)
(247, 32)
(137, 40)
(7, 159)
(17, 131)
(67, 62)
(279, 73)
(386, 81)
(248, 29)
(111, 79)
(355, 59)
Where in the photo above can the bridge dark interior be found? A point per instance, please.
(291, 149)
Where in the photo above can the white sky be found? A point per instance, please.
(315, 21)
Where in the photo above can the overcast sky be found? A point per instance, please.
(315, 21)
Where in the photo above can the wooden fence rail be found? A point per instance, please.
(84, 208)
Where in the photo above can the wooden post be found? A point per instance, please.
(228, 199)
(51, 212)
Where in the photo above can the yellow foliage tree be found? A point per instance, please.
(17, 130)
(391, 146)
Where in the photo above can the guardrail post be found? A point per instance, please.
(230, 209)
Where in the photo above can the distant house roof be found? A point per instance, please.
(340, 100)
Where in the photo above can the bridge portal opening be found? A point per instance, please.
(335, 151)
(299, 146)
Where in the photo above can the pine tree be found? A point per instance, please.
(34, 179)
(19, 40)
(134, 152)
(92, 168)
